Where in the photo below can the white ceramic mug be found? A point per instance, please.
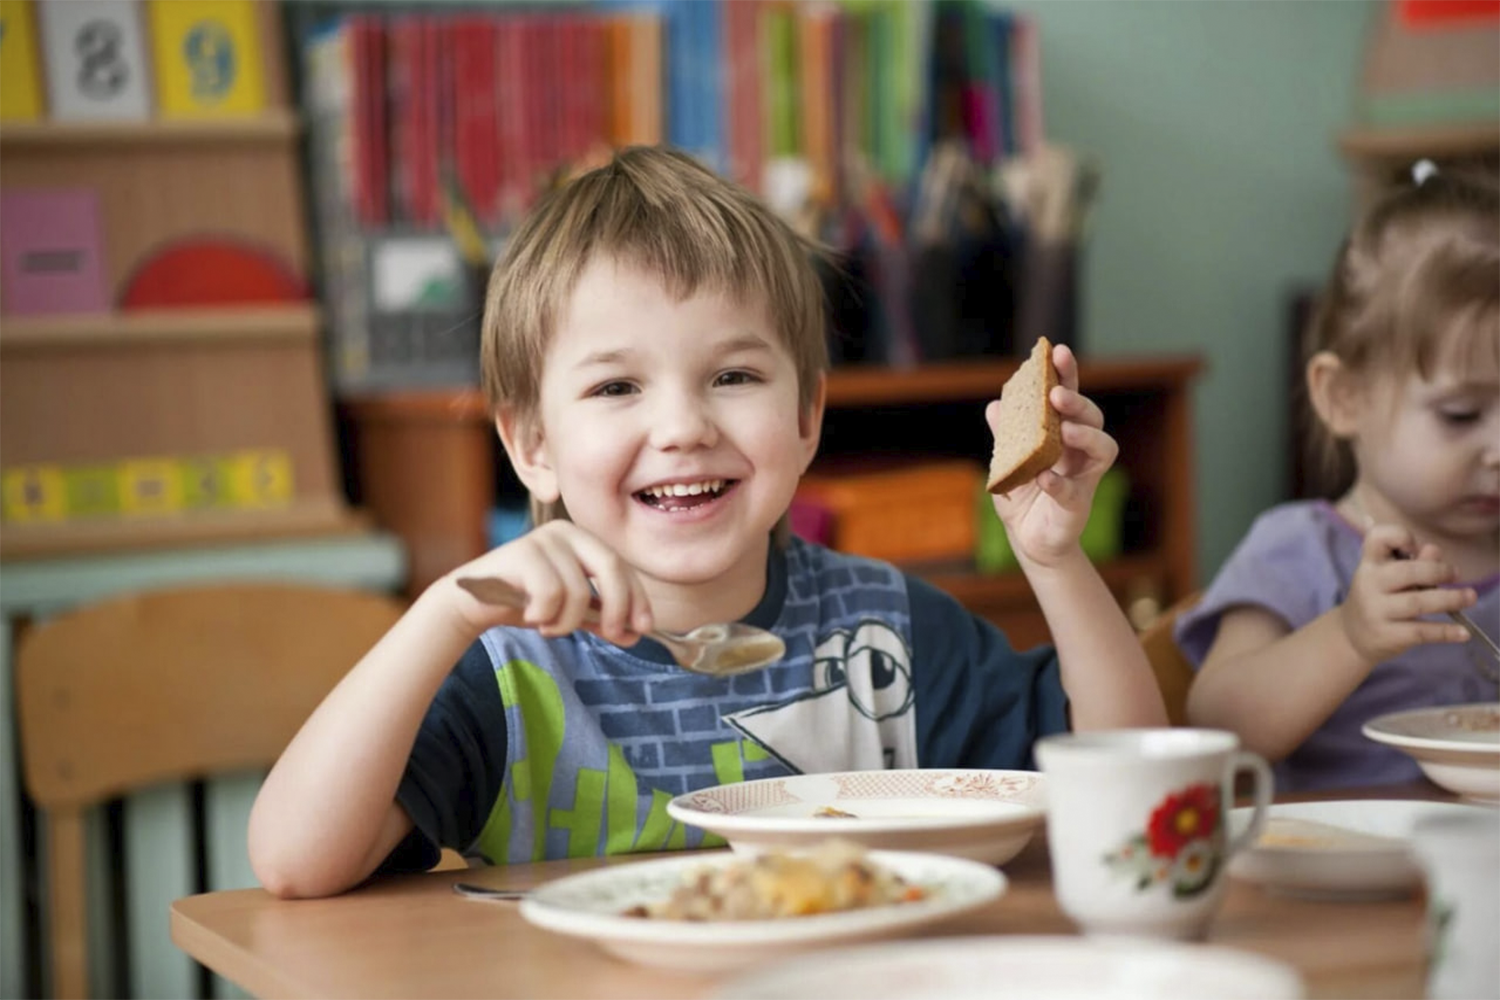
(1137, 824)
(1461, 858)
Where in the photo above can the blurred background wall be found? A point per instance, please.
(1214, 125)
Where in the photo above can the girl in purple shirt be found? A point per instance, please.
(1328, 614)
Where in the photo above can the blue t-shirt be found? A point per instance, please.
(1296, 563)
(538, 748)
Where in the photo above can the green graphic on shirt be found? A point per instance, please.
(534, 691)
(729, 768)
(602, 800)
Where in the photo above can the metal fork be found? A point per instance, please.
(1476, 631)
(1463, 619)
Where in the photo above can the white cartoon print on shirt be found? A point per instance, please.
(858, 714)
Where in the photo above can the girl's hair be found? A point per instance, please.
(660, 211)
(1418, 280)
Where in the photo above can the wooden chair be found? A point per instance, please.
(1174, 674)
(169, 686)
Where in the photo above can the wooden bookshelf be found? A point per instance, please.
(1406, 144)
(174, 384)
(404, 443)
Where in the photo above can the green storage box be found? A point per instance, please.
(1101, 536)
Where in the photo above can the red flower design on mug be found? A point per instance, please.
(1189, 815)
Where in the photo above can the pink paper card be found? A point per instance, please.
(51, 252)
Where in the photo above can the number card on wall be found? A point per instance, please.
(209, 60)
(20, 86)
(95, 56)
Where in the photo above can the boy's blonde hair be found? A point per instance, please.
(663, 213)
(1416, 281)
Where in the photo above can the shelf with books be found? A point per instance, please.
(401, 442)
(161, 356)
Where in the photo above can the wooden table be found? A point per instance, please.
(411, 936)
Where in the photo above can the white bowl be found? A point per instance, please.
(592, 905)
(1457, 746)
(982, 815)
(1024, 967)
(1349, 850)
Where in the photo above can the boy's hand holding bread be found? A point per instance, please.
(1050, 452)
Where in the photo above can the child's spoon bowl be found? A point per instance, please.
(717, 650)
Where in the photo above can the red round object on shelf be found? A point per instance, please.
(211, 272)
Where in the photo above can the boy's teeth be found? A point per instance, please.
(686, 489)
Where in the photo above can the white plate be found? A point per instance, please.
(1368, 856)
(977, 814)
(591, 905)
(1457, 746)
(1019, 967)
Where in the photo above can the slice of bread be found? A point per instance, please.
(1030, 436)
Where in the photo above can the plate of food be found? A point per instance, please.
(1354, 849)
(719, 911)
(1023, 967)
(982, 815)
(1457, 746)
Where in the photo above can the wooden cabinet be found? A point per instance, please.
(429, 466)
(1382, 158)
(221, 410)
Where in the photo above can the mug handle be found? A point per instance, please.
(1256, 765)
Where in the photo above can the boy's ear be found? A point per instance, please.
(527, 449)
(1333, 393)
(810, 421)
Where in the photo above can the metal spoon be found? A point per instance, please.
(718, 650)
(1458, 616)
(471, 891)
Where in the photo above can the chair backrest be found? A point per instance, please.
(166, 686)
(1174, 674)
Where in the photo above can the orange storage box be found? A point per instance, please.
(904, 514)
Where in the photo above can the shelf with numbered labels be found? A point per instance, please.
(165, 427)
(173, 393)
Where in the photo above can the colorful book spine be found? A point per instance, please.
(20, 64)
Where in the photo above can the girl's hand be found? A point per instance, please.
(555, 566)
(1392, 591)
(1045, 518)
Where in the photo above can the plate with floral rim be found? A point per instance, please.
(595, 905)
(983, 815)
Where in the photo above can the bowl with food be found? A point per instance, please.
(1457, 746)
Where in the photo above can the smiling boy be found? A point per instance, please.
(654, 354)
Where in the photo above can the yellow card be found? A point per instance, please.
(150, 486)
(20, 79)
(261, 478)
(209, 58)
(35, 493)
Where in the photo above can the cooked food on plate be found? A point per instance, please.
(835, 876)
(1288, 831)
